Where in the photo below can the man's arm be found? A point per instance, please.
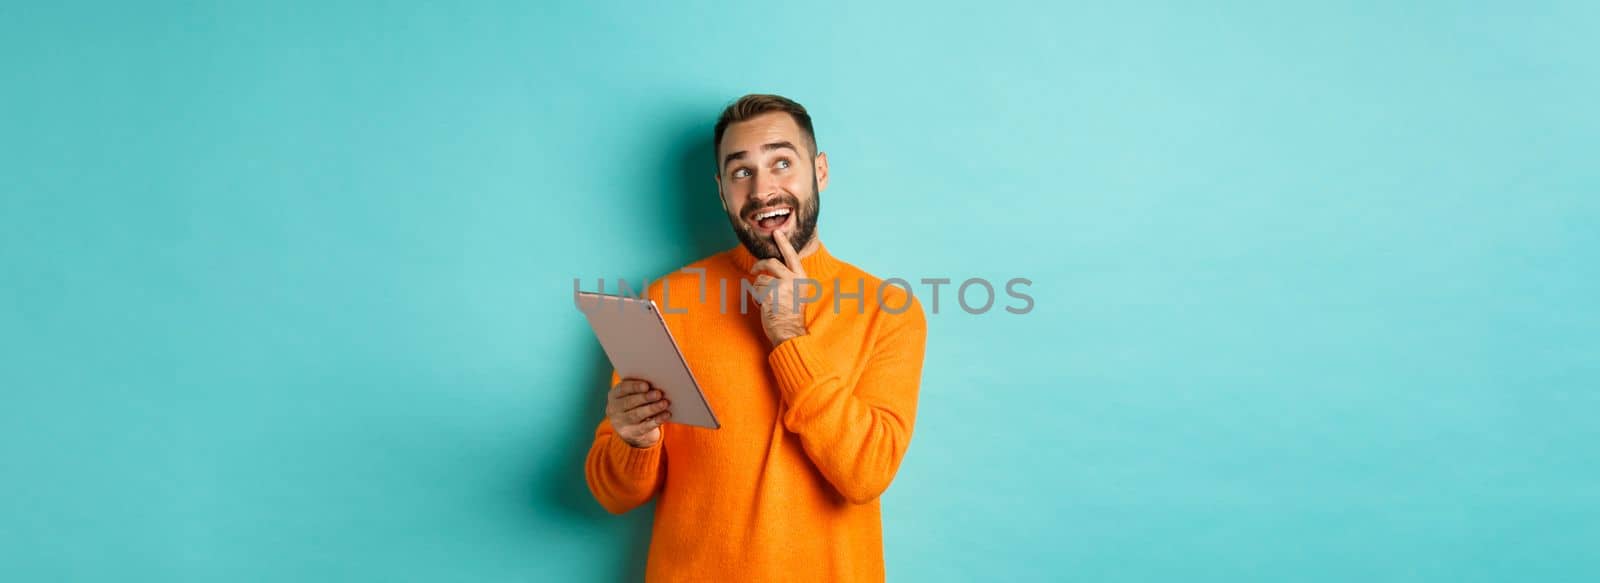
(856, 435)
(622, 476)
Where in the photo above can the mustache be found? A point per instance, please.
(788, 200)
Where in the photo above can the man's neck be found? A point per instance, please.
(811, 246)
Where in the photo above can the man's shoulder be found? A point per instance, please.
(693, 275)
(892, 294)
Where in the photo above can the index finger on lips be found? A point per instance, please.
(791, 259)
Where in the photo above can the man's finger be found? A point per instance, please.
(638, 414)
(654, 422)
(790, 258)
(628, 387)
(762, 281)
(772, 266)
(631, 401)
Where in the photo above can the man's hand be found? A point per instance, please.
(782, 317)
(636, 412)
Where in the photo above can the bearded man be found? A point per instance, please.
(816, 389)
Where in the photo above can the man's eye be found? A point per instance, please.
(741, 173)
(783, 164)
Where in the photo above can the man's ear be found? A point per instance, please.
(821, 168)
(724, 201)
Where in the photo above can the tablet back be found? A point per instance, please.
(639, 345)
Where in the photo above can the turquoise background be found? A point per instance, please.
(286, 287)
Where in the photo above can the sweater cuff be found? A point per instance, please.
(795, 364)
(637, 461)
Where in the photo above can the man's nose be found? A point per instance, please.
(766, 186)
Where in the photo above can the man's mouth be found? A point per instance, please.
(766, 221)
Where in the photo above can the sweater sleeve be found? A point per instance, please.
(621, 476)
(856, 435)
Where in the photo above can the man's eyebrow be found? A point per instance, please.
(776, 145)
(739, 155)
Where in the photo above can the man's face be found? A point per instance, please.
(770, 183)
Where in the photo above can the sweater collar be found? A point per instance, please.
(818, 265)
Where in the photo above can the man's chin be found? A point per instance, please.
(762, 250)
(763, 247)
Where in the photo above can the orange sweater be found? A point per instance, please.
(812, 431)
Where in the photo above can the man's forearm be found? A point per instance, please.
(856, 436)
(621, 477)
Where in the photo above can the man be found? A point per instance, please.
(816, 388)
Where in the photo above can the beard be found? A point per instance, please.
(805, 226)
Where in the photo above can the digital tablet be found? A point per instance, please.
(639, 345)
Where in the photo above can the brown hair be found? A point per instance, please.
(756, 104)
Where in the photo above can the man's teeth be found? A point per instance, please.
(770, 214)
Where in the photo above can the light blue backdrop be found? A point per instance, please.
(286, 287)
